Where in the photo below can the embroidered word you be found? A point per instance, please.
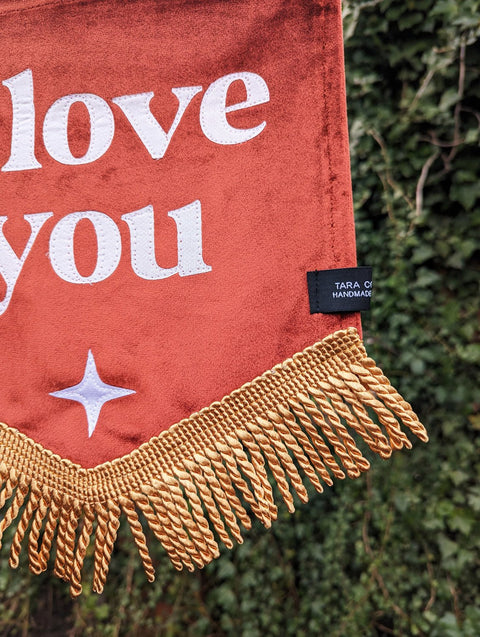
(109, 246)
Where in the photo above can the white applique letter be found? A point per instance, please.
(55, 128)
(109, 246)
(10, 264)
(189, 242)
(214, 109)
(137, 110)
(22, 156)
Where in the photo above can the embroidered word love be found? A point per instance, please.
(213, 119)
(109, 246)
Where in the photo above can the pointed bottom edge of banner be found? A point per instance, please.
(199, 482)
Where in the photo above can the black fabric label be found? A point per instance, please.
(342, 290)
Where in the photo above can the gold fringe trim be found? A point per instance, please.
(191, 483)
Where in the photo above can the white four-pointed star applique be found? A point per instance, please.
(92, 393)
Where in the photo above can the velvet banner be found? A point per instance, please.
(171, 170)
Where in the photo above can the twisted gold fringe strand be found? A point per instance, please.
(198, 482)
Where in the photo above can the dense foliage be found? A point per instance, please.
(396, 552)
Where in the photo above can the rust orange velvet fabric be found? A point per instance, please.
(272, 208)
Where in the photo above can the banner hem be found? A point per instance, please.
(194, 482)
